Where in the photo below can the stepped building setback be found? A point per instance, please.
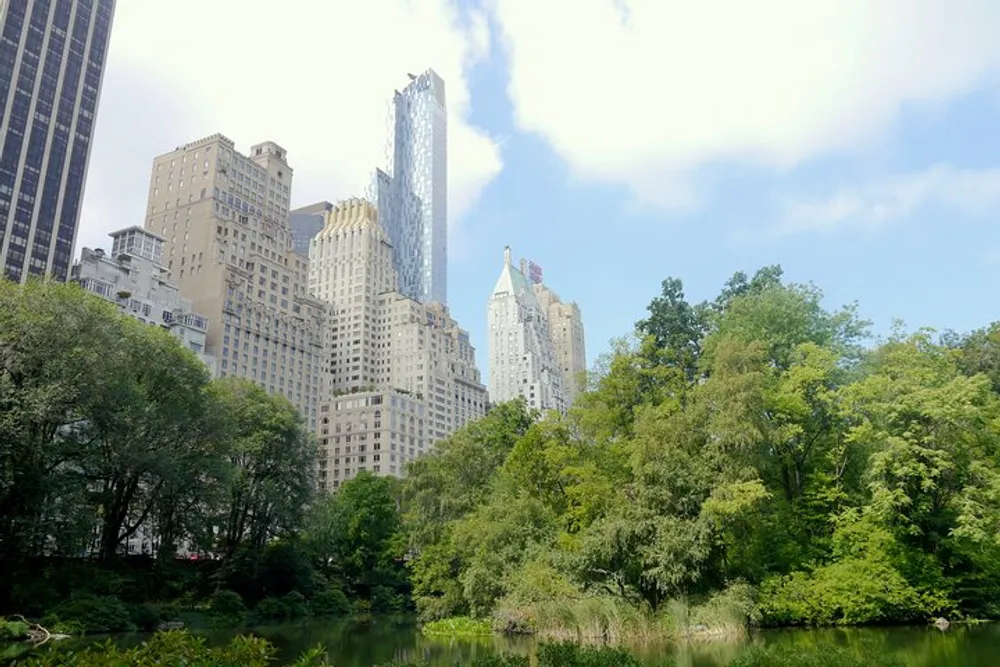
(133, 277)
(402, 373)
(228, 247)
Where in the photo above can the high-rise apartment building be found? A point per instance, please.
(568, 343)
(305, 223)
(228, 247)
(412, 197)
(379, 431)
(522, 356)
(402, 373)
(133, 277)
(52, 56)
(350, 269)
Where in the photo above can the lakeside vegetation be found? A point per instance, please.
(749, 460)
(111, 431)
(175, 648)
(457, 626)
(753, 460)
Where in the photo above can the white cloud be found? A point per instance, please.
(973, 193)
(641, 92)
(316, 77)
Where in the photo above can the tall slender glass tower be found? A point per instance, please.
(412, 197)
(52, 55)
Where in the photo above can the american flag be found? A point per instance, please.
(534, 272)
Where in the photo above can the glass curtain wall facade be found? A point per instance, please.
(52, 56)
(412, 197)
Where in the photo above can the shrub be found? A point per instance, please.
(385, 600)
(94, 614)
(864, 583)
(331, 602)
(145, 616)
(847, 592)
(296, 605)
(269, 610)
(170, 612)
(13, 630)
(798, 656)
(173, 648)
(277, 610)
(60, 627)
(575, 655)
(227, 603)
(458, 626)
(601, 618)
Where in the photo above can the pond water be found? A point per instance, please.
(352, 644)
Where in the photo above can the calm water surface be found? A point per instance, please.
(382, 640)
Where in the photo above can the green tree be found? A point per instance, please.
(677, 328)
(147, 430)
(741, 285)
(54, 344)
(270, 456)
(451, 481)
(978, 352)
(356, 537)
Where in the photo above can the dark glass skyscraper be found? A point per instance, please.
(52, 55)
(305, 223)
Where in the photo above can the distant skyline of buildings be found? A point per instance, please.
(52, 59)
(341, 308)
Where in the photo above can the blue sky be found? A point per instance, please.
(614, 142)
(935, 264)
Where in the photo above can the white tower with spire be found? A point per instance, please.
(522, 357)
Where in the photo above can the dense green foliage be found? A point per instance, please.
(356, 537)
(111, 431)
(829, 656)
(172, 648)
(108, 425)
(180, 648)
(742, 460)
(457, 626)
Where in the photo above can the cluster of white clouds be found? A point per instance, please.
(314, 76)
(645, 92)
(967, 192)
(634, 93)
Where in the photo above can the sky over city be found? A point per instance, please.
(613, 142)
